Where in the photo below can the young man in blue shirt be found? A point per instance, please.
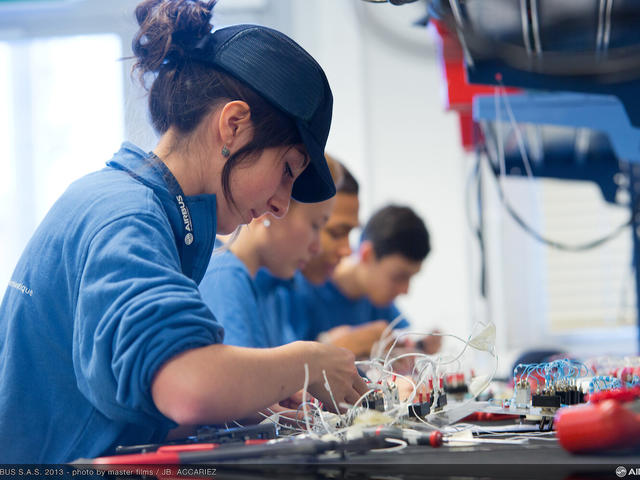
(354, 306)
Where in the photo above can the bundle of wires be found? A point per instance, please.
(556, 374)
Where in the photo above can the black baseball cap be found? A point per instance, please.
(284, 74)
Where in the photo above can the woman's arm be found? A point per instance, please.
(219, 382)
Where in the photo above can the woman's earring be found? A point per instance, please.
(225, 151)
(266, 223)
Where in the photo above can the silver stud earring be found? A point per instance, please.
(225, 151)
(266, 223)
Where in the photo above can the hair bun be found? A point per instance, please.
(192, 23)
(168, 28)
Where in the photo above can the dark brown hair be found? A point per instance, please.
(349, 184)
(184, 90)
(336, 170)
(397, 229)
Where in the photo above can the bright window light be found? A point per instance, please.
(62, 120)
(6, 135)
(77, 109)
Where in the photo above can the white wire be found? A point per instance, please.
(406, 403)
(383, 366)
(320, 415)
(269, 417)
(283, 414)
(466, 342)
(533, 435)
(431, 425)
(328, 387)
(518, 133)
(304, 396)
(437, 364)
(363, 396)
(502, 94)
(518, 441)
(401, 445)
(387, 332)
(283, 426)
(410, 354)
(501, 159)
(488, 382)
(468, 401)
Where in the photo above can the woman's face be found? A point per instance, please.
(293, 240)
(259, 187)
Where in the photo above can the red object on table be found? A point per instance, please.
(488, 417)
(595, 427)
(619, 394)
(167, 454)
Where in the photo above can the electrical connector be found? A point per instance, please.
(440, 402)
(548, 401)
(420, 410)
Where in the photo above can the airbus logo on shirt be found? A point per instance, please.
(186, 218)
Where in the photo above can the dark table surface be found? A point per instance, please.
(538, 459)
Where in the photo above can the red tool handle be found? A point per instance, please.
(152, 458)
(191, 447)
(167, 454)
(489, 417)
(596, 427)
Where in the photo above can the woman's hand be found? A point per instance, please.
(342, 377)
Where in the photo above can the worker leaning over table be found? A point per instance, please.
(104, 339)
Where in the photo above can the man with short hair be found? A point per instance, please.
(354, 307)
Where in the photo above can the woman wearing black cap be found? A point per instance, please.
(104, 338)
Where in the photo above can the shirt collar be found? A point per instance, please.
(192, 218)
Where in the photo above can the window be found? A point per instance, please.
(62, 116)
(541, 297)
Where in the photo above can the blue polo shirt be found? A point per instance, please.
(313, 309)
(103, 295)
(250, 318)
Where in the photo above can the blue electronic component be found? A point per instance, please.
(555, 383)
(600, 383)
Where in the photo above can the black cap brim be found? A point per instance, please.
(315, 183)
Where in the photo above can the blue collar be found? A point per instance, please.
(192, 218)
